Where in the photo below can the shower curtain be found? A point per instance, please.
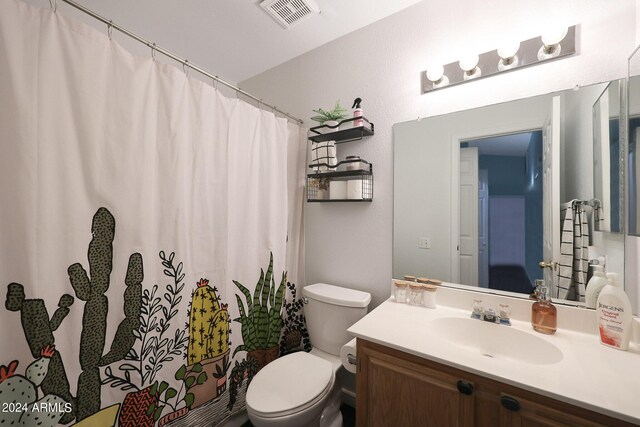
(150, 233)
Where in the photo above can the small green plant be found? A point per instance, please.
(261, 321)
(181, 397)
(338, 113)
(295, 325)
(247, 367)
(156, 349)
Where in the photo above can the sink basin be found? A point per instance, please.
(495, 341)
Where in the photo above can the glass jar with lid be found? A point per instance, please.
(416, 292)
(400, 288)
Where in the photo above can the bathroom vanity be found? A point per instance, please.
(439, 367)
(398, 388)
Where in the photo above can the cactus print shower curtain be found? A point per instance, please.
(150, 234)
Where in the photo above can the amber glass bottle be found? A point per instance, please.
(544, 315)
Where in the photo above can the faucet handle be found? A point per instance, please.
(477, 311)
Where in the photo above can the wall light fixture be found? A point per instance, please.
(553, 44)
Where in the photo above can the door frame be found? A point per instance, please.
(456, 139)
(483, 218)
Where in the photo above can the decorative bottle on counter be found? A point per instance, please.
(544, 315)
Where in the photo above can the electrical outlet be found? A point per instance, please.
(424, 243)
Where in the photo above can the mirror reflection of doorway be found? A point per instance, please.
(501, 211)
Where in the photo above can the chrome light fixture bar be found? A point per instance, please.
(559, 43)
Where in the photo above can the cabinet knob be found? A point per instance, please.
(510, 403)
(465, 387)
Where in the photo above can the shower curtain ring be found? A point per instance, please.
(54, 5)
(153, 51)
(110, 29)
(185, 66)
(215, 82)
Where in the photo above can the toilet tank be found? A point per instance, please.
(330, 311)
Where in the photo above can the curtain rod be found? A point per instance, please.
(184, 62)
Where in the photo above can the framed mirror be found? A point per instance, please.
(484, 197)
(608, 215)
(633, 132)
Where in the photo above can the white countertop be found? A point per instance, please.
(590, 375)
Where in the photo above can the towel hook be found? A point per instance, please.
(153, 51)
(54, 5)
(110, 29)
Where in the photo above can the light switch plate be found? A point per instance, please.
(424, 243)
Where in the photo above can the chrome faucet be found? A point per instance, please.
(489, 314)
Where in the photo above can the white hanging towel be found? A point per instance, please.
(574, 256)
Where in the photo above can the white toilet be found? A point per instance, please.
(301, 389)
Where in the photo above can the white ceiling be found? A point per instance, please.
(504, 145)
(235, 39)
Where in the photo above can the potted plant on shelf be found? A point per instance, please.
(330, 117)
(321, 185)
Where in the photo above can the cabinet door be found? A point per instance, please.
(520, 412)
(395, 390)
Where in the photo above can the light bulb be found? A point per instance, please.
(551, 39)
(554, 35)
(469, 62)
(435, 73)
(469, 65)
(508, 50)
(508, 55)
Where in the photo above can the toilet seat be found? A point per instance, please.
(290, 384)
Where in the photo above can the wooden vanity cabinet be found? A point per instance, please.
(397, 389)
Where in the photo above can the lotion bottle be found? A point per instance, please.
(613, 311)
(595, 285)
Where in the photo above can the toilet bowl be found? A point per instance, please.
(302, 389)
(299, 389)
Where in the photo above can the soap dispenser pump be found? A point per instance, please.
(544, 315)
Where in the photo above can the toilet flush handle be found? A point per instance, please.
(305, 300)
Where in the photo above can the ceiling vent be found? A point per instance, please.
(290, 12)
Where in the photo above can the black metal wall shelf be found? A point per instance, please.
(334, 133)
(357, 179)
(340, 174)
(361, 181)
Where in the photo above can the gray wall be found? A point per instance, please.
(351, 244)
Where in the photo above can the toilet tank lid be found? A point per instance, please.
(337, 295)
